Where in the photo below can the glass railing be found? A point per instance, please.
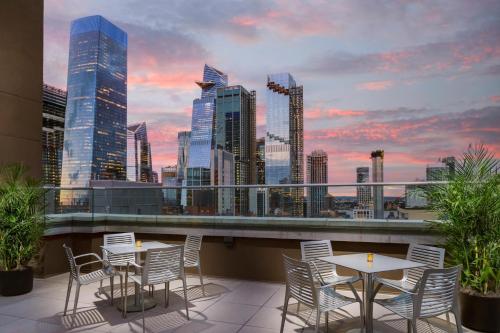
(362, 201)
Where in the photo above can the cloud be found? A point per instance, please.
(495, 99)
(374, 85)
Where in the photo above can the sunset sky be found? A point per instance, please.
(419, 79)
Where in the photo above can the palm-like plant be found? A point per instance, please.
(21, 217)
(469, 211)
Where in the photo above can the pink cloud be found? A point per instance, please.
(374, 85)
(495, 99)
(177, 80)
(319, 113)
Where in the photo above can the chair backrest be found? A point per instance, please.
(192, 248)
(299, 281)
(312, 250)
(163, 265)
(438, 292)
(71, 260)
(126, 238)
(432, 257)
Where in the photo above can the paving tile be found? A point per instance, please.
(270, 318)
(4, 320)
(229, 312)
(207, 326)
(251, 293)
(31, 326)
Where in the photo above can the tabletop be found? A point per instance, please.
(126, 248)
(380, 262)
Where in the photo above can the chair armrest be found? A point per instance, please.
(320, 278)
(79, 267)
(130, 263)
(87, 255)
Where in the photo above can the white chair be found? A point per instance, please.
(436, 294)
(161, 266)
(301, 286)
(105, 272)
(119, 260)
(324, 271)
(432, 257)
(192, 247)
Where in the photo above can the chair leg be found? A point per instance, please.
(70, 283)
(185, 296)
(112, 285)
(125, 299)
(458, 320)
(201, 279)
(121, 290)
(414, 325)
(283, 315)
(142, 306)
(167, 291)
(77, 294)
(318, 318)
(326, 321)
(100, 288)
(408, 325)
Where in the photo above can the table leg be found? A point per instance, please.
(137, 290)
(368, 277)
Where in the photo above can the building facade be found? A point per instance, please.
(222, 173)
(139, 160)
(95, 139)
(284, 143)
(183, 142)
(171, 196)
(377, 158)
(363, 193)
(260, 161)
(317, 173)
(54, 110)
(235, 133)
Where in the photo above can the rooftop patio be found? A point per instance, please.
(229, 306)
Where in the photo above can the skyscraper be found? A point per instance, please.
(169, 178)
(285, 137)
(377, 157)
(202, 124)
(139, 164)
(317, 173)
(95, 142)
(363, 193)
(202, 140)
(54, 109)
(183, 140)
(260, 160)
(235, 133)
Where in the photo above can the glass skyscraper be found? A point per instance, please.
(377, 157)
(95, 143)
(317, 173)
(285, 138)
(183, 142)
(139, 164)
(54, 109)
(235, 133)
(260, 160)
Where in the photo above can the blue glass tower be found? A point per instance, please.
(202, 126)
(285, 139)
(95, 139)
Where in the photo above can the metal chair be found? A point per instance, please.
(107, 271)
(326, 272)
(301, 286)
(161, 266)
(432, 257)
(436, 294)
(192, 247)
(119, 260)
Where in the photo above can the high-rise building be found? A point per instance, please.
(436, 172)
(363, 193)
(202, 125)
(54, 109)
(235, 133)
(95, 138)
(260, 160)
(450, 162)
(222, 173)
(183, 140)
(377, 157)
(139, 164)
(317, 173)
(285, 139)
(169, 178)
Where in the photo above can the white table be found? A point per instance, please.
(134, 305)
(360, 263)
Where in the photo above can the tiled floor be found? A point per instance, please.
(228, 306)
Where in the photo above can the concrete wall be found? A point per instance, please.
(21, 79)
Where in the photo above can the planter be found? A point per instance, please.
(18, 282)
(480, 313)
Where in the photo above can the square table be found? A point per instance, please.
(379, 264)
(134, 305)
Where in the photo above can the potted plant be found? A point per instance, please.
(468, 207)
(21, 228)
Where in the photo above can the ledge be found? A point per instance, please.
(376, 231)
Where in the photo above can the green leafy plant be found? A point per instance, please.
(468, 207)
(21, 217)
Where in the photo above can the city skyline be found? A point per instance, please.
(375, 96)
